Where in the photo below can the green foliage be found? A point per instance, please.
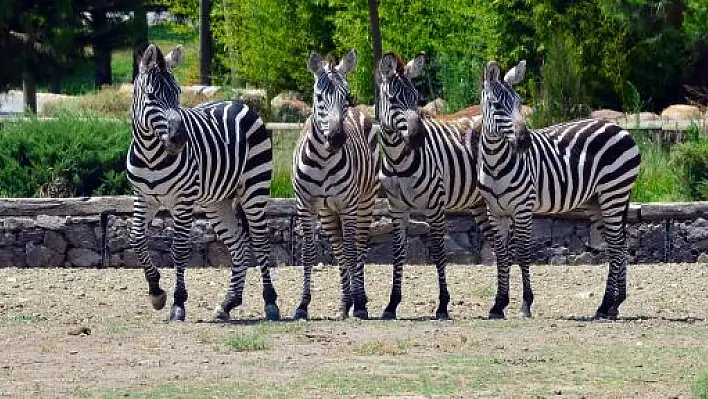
(660, 179)
(67, 156)
(561, 96)
(246, 340)
(700, 386)
(691, 159)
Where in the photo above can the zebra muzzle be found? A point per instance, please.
(176, 136)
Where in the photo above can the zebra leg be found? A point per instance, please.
(142, 215)
(615, 289)
(351, 259)
(332, 226)
(400, 246)
(523, 224)
(222, 219)
(305, 219)
(363, 224)
(501, 227)
(182, 214)
(437, 255)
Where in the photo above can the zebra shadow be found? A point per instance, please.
(684, 320)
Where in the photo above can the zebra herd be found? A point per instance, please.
(219, 156)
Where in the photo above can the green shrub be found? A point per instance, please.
(700, 386)
(691, 160)
(63, 157)
(660, 179)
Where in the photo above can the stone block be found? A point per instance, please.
(50, 222)
(12, 257)
(41, 256)
(35, 236)
(55, 241)
(84, 257)
(82, 236)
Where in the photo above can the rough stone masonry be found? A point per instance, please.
(94, 232)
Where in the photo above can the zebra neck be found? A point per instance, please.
(397, 155)
(496, 152)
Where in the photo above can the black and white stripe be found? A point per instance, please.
(217, 155)
(586, 163)
(334, 176)
(428, 166)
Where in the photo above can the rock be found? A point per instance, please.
(702, 258)
(218, 255)
(607, 115)
(290, 110)
(13, 257)
(435, 107)
(80, 330)
(41, 256)
(55, 241)
(681, 112)
(84, 257)
(586, 258)
(50, 222)
(82, 236)
(558, 260)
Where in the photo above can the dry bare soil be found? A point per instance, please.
(655, 351)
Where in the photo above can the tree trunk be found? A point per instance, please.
(140, 35)
(29, 92)
(205, 42)
(376, 44)
(101, 50)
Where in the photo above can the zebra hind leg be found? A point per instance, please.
(254, 223)
(616, 287)
(500, 249)
(522, 238)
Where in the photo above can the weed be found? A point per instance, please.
(21, 318)
(382, 348)
(247, 340)
(700, 386)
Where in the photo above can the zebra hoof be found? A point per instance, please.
(442, 316)
(361, 314)
(300, 314)
(220, 315)
(272, 312)
(388, 315)
(158, 301)
(525, 312)
(342, 314)
(177, 313)
(599, 316)
(496, 316)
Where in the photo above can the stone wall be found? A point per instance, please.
(93, 232)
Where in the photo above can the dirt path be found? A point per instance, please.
(657, 350)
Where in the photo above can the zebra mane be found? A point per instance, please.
(400, 64)
(331, 59)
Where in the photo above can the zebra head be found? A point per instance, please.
(501, 106)
(331, 97)
(398, 100)
(156, 99)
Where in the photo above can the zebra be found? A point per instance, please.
(334, 177)
(217, 155)
(590, 164)
(428, 166)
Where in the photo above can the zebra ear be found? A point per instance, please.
(516, 74)
(492, 72)
(175, 57)
(149, 58)
(414, 68)
(315, 63)
(348, 62)
(387, 65)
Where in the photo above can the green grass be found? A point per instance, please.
(22, 318)
(700, 386)
(248, 339)
(284, 143)
(382, 348)
(659, 179)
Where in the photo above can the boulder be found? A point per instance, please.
(681, 112)
(84, 257)
(609, 115)
(41, 256)
(435, 107)
(289, 107)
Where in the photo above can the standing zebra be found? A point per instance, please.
(334, 175)
(216, 155)
(585, 163)
(429, 166)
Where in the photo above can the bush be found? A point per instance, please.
(64, 157)
(660, 178)
(691, 160)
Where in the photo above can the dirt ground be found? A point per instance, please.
(655, 351)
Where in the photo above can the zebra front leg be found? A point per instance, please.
(501, 228)
(332, 226)
(180, 250)
(363, 224)
(351, 260)
(305, 219)
(142, 215)
(400, 246)
(523, 223)
(437, 256)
